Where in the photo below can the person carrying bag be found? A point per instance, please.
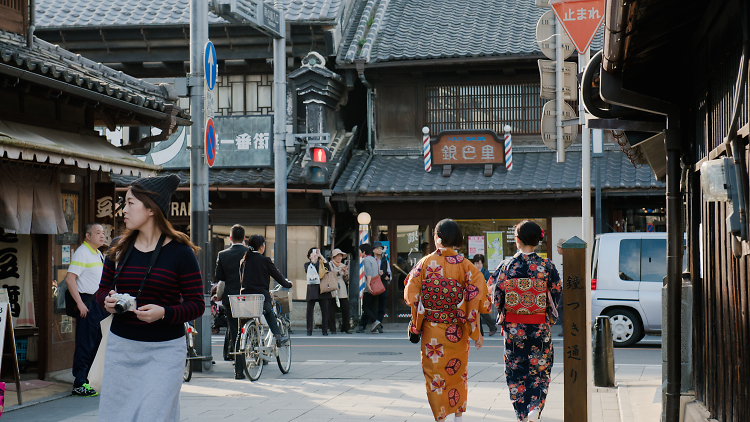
(158, 288)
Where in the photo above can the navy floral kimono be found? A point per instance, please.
(526, 290)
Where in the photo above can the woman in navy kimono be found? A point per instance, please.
(526, 290)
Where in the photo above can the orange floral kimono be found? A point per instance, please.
(446, 293)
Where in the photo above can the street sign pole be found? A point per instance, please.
(559, 100)
(279, 141)
(199, 170)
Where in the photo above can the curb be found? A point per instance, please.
(623, 399)
(35, 402)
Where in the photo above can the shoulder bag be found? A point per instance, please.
(96, 372)
(328, 282)
(376, 286)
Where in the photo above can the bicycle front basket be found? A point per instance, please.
(284, 297)
(246, 306)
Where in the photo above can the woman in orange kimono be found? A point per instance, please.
(446, 293)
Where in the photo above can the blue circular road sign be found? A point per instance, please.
(210, 65)
(210, 144)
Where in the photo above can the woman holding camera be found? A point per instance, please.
(157, 267)
(313, 289)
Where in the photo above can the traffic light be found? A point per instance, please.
(317, 167)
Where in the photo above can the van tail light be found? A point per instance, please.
(593, 284)
(242, 330)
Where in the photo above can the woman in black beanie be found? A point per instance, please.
(145, 350)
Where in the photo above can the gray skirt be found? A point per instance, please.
(142, 380)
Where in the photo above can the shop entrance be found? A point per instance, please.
(405, 245)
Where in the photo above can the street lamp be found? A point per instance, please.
(364, 219)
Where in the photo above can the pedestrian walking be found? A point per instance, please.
(341, 271)
(313, 269)
(157, 266)
(228, 271)
(369, 321)
(488, 319)
(385, 277)
(256, 270)
(446, 294)
(526, 290)
(82, 279)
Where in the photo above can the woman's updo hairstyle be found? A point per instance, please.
(255, 242)
(529, 233)
(450, 233)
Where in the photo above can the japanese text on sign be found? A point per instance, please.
(479, 147)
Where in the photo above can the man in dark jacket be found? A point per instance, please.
(228, 270)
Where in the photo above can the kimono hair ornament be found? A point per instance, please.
(542, 233)
(439, 240)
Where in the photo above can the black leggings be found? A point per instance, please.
(323, 310)
(270, 317)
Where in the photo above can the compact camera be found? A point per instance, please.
(124, 303)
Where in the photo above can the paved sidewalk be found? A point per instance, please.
(338, 391)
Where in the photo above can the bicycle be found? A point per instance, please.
(257, 342)
(192, 354)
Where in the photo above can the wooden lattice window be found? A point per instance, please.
(486, 106)
(14, 16)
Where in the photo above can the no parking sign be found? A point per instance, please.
(210, 142)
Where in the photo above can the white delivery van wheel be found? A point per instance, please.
(627, 329)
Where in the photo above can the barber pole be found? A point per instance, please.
(363, 238)
(426, 149)
(508, 149)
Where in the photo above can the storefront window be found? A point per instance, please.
(495, 239)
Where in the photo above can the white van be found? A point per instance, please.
(626, 283)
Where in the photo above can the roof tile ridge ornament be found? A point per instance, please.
(351, 55)
(372, 35)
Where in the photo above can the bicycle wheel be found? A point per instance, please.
(284, 352)
(188, 374)
(251, 353)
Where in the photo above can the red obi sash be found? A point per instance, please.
(441, 298)
(525, 300)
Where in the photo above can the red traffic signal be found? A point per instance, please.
(319, 155)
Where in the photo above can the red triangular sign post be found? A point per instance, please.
(580, 18)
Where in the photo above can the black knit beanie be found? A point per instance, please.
(159, 189)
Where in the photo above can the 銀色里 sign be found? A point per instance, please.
(461, 147)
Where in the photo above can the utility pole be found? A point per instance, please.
(559, 83)
(279, 140)
(199, 169)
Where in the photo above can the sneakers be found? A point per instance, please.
(380, 328)
(281, 340)
(84, 391)
(373, 327)
(360, 330)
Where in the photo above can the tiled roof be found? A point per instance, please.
(534, 170)
(261, 176)
(54, 62)
(82, 13)
(433, 29)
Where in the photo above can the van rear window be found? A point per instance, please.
(653, 259)
(630, 259)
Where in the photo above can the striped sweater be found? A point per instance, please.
(175, 283)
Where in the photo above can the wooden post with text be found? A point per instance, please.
(575, 358)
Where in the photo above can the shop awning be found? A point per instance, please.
(30, 143)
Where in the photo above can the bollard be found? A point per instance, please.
(604, 353)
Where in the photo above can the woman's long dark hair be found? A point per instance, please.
(117, 252)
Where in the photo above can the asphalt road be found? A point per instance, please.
(394, 347)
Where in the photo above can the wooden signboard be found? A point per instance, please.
(575, 356)
(467, 148)
(7, 337)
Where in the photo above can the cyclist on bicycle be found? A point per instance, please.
(255, 270)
